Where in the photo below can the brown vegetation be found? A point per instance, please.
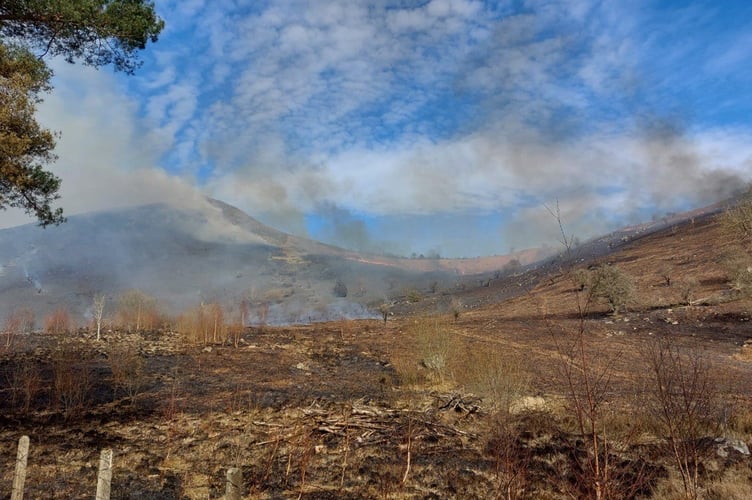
(19, 321)
(58, 321)
(138, 311)
(204, 324)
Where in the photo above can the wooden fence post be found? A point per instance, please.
(20, 478)
(234, 484)
(104, 478)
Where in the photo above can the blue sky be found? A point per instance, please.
(417, 126)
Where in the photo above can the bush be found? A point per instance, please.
(17, 322)
(737, 224)
(456, 308)
(127, 370)
(685, 404)
(739, 273)
(737, 221)
(493, 374)
(385, 309)
(24, 382)
(435, 344)
(203, 323)
(71, 380)
(612, 285)
(581, 278)
(412, 295)
(58, 321)
(340, 289)
(688, 288)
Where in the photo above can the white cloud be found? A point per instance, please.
(446, 106)
(107, 158)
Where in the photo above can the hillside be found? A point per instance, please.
(217, 253)
(183, 257)
(424, 405)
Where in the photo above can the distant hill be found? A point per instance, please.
(217, 253)
(184, 257)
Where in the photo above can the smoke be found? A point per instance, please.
(25, 260)
(343, 228)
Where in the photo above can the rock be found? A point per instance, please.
(528, 403)
(725, 446)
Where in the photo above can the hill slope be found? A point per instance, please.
(187, 256)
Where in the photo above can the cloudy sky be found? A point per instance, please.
(419, 125)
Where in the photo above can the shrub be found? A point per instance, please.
(737, 221)
(685, 404)
(71, 380)
(435, 345)
(739, 272)
(412, 295)
(581, 278)
(511, 267)
(340, 289)
(611, 284)
(688, 288)
(384, 309)
(58, 321)
(25, 382)
(127, 370)
(204, 323)
(17, 322)
(455, 306)
(493, 374)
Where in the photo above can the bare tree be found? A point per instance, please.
(237, 330)
(216, 320)
(685, 405)
(17, 322)
(587, 380)
(137, 310)
(384, 309)
(98, 310)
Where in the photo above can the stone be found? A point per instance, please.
(725, 446)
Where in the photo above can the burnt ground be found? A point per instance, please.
(360, 409)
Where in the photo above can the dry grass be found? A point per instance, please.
(734, 484)
(425, 353)
(499, 377)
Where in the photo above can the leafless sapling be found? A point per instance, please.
(98, 311)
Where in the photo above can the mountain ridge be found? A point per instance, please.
(215, 252)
